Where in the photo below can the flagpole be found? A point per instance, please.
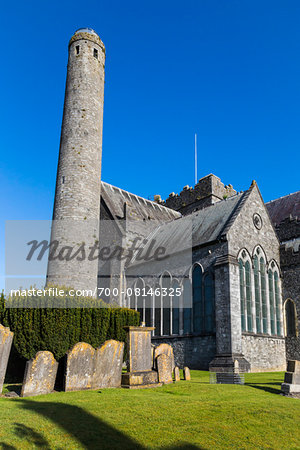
(196, 176)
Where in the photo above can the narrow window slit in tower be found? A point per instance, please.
(77, 49)
(95, 53)
(63, 180)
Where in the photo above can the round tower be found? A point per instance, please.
(77, 196)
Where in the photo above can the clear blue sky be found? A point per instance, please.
(227, 70)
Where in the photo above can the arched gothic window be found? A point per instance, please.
(290, 318)
(209, 304)
(157, 311)
(245, 291)
(166, 302)
(258, 312)
(260, 290)
(175, 307)
(274, 299)
(148, 306)
(203, 301)
(197, 300)
(187, 306)
(263, 290)
(140, 299)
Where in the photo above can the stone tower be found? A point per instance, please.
(77, 197)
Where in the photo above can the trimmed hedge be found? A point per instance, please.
(58, 329)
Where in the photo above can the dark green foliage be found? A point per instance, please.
(58, 329)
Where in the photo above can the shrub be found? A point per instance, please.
(57, 329)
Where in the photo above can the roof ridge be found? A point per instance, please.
(283, 196)
(233, 197)
(235, 211)
(151, 202)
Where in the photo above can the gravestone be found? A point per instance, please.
(88, 368)
(167, 350)
(176, 374)
(79, 367)
(139, 348)
(291, 384)
(186, 373)
(108, 365)
(164, 367)
(139, 364)
(6, 338)
(40, 374)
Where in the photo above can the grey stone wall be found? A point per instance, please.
(207, 191)
(291, 290)
(77, 195)
(264, 353)
(244, 234)
(196, 352)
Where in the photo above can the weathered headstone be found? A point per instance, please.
(186, 373)
(40, 374)
(167, 350)
(291, 384)
(139, 348)
(140, 361)
(164, 367)
(80, 367)
(88, 368)
(108, 365)
(6, 338)
(176, 374)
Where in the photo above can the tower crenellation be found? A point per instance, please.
(207, 191)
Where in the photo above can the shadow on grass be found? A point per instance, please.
(89, 431)
(32, 437)
(266, 387)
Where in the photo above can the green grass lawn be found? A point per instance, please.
(186, 415)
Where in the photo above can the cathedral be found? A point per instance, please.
(214, 271)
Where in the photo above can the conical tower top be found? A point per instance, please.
(87, 34)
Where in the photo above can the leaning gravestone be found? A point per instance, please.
(164, 367)
(176, 374)
(40, 374)
(6, 338)
(108, 365)
(79, 367)
(291, 385)
(186, 373)
(167, 350)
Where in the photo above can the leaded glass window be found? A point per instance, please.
(175, 308)
(271, 302)
(166, 310)
(248, 295)
(242, 294)
(277, 303)
(187, 310)
(197, 300)
(257, 295)
(209, 304)
(263, 290)
(290, 318)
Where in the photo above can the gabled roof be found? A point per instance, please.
(204, 226)
(137, 207)
(284, 207)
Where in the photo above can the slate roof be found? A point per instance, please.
(284, 207)
(137, 207)
(203, 226)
